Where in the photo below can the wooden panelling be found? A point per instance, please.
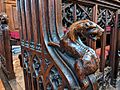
(2, 6)
(10, 9)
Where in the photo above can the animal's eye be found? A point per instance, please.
(86, 24)
(92, 35)
(90, 23)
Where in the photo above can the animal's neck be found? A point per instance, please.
(75, 37)
(79, 41)
(71, 35)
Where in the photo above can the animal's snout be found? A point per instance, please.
(100, 32)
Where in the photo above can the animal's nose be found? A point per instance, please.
(97, 32)
(100, 33)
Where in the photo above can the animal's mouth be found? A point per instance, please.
(93, 37)
(94, 34)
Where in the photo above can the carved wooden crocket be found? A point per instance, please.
(86, 59)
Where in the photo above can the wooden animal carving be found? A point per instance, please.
(72, 44)
(3, 21)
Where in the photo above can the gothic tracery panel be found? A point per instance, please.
(36, 65)
(56, 66)
(25, 60)
(55, 80)
(106, 17)
(72, 12)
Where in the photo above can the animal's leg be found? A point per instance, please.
(80, 74)
(91, 66)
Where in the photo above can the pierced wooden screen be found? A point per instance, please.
(72, 12)
(106, 17)
(107, 20)
(42, 21)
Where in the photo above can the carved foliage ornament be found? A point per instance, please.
(106, 17)
(74, 12)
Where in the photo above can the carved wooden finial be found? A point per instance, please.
(3, 21)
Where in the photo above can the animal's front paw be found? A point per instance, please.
(79, 70)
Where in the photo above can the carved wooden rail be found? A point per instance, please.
(43, 21)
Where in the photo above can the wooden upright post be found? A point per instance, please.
(6, 52)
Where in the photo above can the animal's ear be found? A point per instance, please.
(86, 25)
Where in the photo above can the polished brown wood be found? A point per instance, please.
(116, 55)
(72, 44)
(43, 21)
(5, 47)
(10, 9)
(8, 6)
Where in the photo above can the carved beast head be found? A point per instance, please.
(3, 18)
(86, 28)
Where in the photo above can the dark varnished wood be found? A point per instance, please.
(41, 22)
(5, 51)
(70, 43)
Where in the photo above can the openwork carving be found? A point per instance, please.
(83, 12)
(86, 60)
(49, 86)
(25, 60)
(74, 12)
(47, 63)
(68, 17)
(3, 63)
(106, 17)
(41, 83)
(38, 47)
(36, 65)
(55, 79)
